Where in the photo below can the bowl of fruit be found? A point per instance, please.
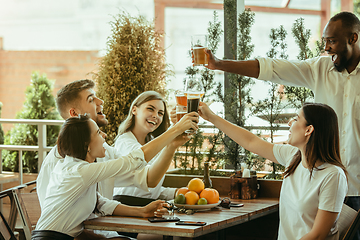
(196, 196)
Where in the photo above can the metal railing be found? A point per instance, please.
(41, 148)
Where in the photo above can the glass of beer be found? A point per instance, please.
(180, 98)
(198, 44)
(181, 104)
(194, 90)
(180, 112)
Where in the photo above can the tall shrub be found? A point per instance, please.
(272, 106)
(39, 104)
(298, 95)
(194, 147)
(134, 63)
(237, 95)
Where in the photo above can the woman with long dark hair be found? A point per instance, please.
(315, 182)
(72, 195)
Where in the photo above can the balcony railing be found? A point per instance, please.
(42, 147)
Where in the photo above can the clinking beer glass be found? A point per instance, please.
(198, 44)
(181, 104)
(194, 90)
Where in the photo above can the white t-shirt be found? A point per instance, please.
(126, 143)
(339, 90)
(301, 197)
(71, 195)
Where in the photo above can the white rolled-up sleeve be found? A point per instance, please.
(105, 206)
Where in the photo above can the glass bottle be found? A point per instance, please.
(206, 179)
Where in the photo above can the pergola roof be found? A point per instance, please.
(276, 6)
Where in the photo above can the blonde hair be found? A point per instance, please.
(129, 123)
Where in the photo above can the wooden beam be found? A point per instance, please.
(205, 5)
(325, 8)
(347, 5)
(285, 3)
(324, 13)
(284, 10)
(160, 20)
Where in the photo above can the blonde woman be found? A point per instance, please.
(147, 119)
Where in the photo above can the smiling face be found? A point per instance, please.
(97, 139)
(299, 130)
(90, 104)
(338, 44)
(148, 116)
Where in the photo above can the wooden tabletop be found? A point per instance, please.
(216, 219)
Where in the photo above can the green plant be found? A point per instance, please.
(193, 148)
(357, 7)
(39, 104)
(236, 96)
(298, 95)
(134, 63)
(272, 106)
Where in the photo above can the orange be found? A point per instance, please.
(196, 185)
(211, 195)
(191, 197)
(182, 190)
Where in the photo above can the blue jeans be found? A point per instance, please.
(354, 202)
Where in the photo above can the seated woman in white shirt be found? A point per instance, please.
(72, 195)
(147, 119)
(315, 182)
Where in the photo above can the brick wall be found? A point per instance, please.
(16, 68)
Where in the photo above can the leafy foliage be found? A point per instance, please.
(134, 63)
(272, 106)
(194, 156)
(237, 95)
(39, 104)
(299, 95)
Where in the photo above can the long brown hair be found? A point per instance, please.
(323, 144)
(129, 123)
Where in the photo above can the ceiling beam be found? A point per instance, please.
(324, 13)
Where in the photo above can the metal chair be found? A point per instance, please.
(5, 231)
(352, 229)
(28, 206)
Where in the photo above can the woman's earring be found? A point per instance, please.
(88, 150)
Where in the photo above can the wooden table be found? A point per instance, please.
(217, 220)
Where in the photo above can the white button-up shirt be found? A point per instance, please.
(340, 90)
(125, 144)
(70, 195)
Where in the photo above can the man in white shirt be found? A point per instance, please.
(335, 81)
(75, 98)
(79, 97)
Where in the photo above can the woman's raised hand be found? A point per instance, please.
(205, 112)
(155, 208)
(188, 121)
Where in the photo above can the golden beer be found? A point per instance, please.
(200, 58)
